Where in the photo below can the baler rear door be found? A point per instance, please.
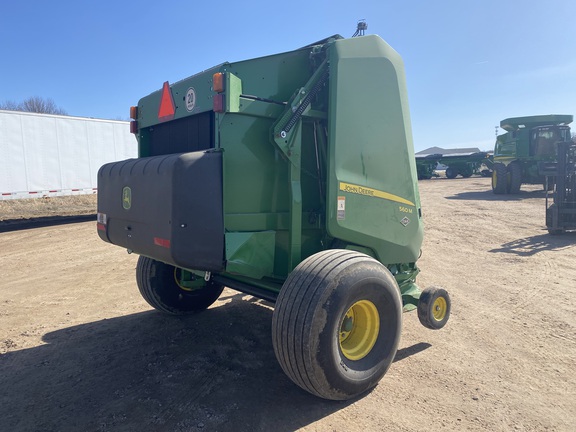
(168, 208)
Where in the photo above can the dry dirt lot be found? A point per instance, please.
(81, 351)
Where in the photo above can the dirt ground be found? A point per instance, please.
(80, 350)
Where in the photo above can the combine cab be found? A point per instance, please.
(527, 142)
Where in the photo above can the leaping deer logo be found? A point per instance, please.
(126, 198)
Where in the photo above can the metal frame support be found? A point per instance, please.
(287, 136)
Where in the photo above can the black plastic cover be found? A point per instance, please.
(168, 208)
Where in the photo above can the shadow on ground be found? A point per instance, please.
(39, 222)
(149, 372)
(534, 244)
(488, 195)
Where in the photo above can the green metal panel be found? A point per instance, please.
(512, 145)
(250, 253)
(373, 198)
(200, 84)
(259, 188)
(301, 133)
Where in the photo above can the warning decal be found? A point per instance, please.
(341, 214)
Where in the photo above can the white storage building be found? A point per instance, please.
(51, 155)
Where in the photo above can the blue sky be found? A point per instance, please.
(468, 64)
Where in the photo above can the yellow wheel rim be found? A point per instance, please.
(439, 308)
(359, 330)
(177, 274)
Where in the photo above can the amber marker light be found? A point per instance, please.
(218, 82)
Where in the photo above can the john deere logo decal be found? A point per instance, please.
(126, 198)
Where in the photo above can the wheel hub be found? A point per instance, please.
(359, 330)
(439, 309)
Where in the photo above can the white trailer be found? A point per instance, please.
(53, 155)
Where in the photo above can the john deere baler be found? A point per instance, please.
(290, 177)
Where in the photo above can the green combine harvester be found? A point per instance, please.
(291, 178)
(528, 142)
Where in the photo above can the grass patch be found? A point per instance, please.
(29, 208)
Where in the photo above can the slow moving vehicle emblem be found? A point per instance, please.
(126, 198)
(167, 108)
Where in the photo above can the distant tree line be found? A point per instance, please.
(35, 104)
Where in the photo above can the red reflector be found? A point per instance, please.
(218, 103)
(101, 227)
(167, 108)
(162, 242)
(133, 127)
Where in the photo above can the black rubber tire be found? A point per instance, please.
(309, 314)
(515, 173)
(157, 284)
(550, 222)
(466, 171)
(500, 179)
(427, 305)
(451, 173)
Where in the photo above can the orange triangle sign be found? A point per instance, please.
(167, 109)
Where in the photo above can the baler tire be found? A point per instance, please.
(451, 173)
(515, 171)
(500, 179)
(158, 286)
(336, 324)
(434, 308)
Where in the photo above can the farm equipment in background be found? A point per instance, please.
(561, 200)
(291, 178)
(464, 164)
(527, 142)
(426, 165)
